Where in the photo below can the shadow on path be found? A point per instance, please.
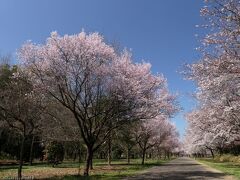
(180, 169)
(180, 175)
(173, 164)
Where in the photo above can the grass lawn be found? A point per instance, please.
(70, 170)
(229, 168)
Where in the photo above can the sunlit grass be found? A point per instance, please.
(229, 168)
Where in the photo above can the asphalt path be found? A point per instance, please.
(181, 169)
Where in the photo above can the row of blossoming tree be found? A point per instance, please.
(83, 87)
(214, 126)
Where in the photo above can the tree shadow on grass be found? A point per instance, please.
(123, 172)
(3, 168)
(232, 166)
(8, 167)
(91, 177)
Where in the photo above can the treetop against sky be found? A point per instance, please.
(159, 32)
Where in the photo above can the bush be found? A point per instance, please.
(55, 153)
(227, 158)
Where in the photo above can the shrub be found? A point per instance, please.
(55, 153)
(227, 158)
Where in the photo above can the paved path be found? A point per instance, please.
(181, 169)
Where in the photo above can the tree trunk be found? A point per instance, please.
(212, 153)
(109, 150)
(79, 161)
(159, 153)
(79, 155)
(128, 156)
(101, 155)
(91, 164)
(220, 151)
(143, 156)
(31, 151)
(88, 162)
(21, 158)
(75, 156)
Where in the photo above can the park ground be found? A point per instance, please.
(180, 168)
(70, 170)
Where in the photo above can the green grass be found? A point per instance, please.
(120, 170)
(69, 170)
(228, 168)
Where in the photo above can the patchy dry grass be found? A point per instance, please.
(70, 170)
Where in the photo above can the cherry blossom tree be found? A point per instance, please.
(216, 121)
(21, 108)
(169, 140)
(102, 89)
(146, 136)
(155, 132)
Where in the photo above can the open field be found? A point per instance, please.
(70, 170)
(229, 168)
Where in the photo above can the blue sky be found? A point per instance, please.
(161, 32)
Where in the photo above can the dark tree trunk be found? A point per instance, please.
(75, 156)
(128, 156)
(91, 164)
(88, 162)
(165, 154)
(212, 153)
(79, 161)
(159, 153)
(220, 151)
(79, 155)
(143, 156)
(31, 151)
(109, 151)
(21, 158)
(168, 155)
(101, 155)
